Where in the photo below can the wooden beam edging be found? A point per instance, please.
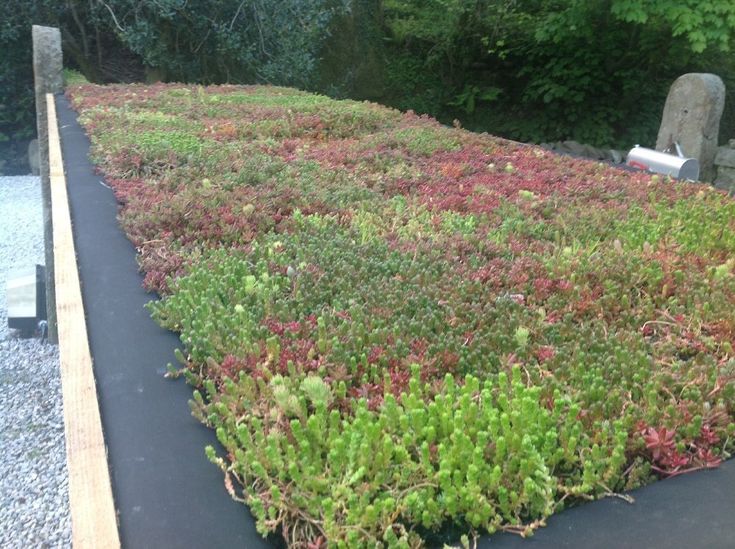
(93, 517)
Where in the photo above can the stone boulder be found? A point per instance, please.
(580, 150)
(725, 164)
(692, 118)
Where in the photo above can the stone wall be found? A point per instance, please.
(725, 166)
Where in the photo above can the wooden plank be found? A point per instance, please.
(93, 518)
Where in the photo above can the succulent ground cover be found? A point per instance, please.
(402, 331)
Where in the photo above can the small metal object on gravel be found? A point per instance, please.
(34, 502)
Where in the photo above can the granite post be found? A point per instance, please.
(48, 78)
(692, 118)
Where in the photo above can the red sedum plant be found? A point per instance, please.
(402, 332)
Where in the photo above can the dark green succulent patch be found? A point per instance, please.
(401, 330)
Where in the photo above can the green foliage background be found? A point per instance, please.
(206, 41)
(596, 71)
(592, 70)
(17, 118)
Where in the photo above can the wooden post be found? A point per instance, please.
(48, 78)
(93, 517)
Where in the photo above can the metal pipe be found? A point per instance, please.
(664, 163)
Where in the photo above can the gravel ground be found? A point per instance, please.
(34, 505)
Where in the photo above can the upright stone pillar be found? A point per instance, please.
(692, 118)
(48, 78)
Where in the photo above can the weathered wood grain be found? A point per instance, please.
(94, 522)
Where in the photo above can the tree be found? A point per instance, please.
(17, 110)
(225, 41)
(592, 70)
(208, 41)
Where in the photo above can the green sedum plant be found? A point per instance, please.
(403, 332)
(487, 455)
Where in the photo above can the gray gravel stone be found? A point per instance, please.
(34, 502)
